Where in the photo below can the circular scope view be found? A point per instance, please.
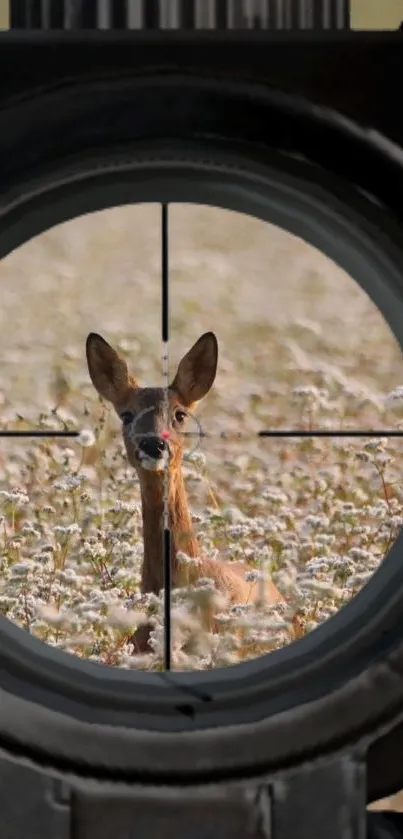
(267, 535)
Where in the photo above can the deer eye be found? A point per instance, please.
(180, 416)
(127, 417)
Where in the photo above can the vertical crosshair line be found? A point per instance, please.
(166, 545)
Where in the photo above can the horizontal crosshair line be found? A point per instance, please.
(233, 434)
(39, 433)
(237, 435)
(328, 433)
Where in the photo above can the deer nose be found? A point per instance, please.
(153, 446)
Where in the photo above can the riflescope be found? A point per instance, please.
(274, 111)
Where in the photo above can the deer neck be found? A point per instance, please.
(180, 524)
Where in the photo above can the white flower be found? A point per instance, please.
(395, 395)
(20, 569)
(197, 457)
(69, 482)
(375, 445)
(184, 559)
(253, 576)
(52, 615)
(67, 529)
(124, 507)
(17, 498)
(124, 619)
(86, 438)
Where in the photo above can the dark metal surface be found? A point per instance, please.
(74, 808)
(273, 808)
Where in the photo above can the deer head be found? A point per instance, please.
(153, 420)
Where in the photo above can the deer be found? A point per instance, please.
(153, 424)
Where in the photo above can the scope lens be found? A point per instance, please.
(274, 467)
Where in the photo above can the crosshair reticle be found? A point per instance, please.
(193, 434)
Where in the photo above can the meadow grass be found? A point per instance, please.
(300, 346)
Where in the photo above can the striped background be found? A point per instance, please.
(365, 14)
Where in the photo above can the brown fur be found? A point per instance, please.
(194, 378)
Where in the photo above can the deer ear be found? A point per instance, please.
(108, 372)
(197, 370)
